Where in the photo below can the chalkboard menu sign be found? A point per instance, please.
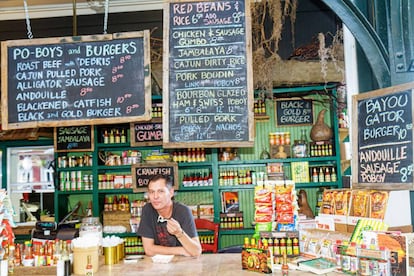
(98, 79)
(146, 133)
(294, 111)
(208, 90)
(74, 138)
(383, 135)
(142, 173)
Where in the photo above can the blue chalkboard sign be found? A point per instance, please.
(383, 138)
(208, 83)
(294, 111)
(68, 81)
(74, 138)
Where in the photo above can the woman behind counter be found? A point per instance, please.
(167, 227)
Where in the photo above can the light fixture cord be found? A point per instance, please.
(29, 28)
(106, 16)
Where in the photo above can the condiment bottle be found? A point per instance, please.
(327, 175)
(321, 175)
(246, 242)
(285, 266)
(304, 139)
(18, 255)
(11, 259)
(333, 175)
(282, 246)
(253, 243)
(295, 246)
(106, 137)
(289, 249)
(111, 137)
(276, 247)
(270, 244)
(123, 136)
(315, 177)
(117, 136)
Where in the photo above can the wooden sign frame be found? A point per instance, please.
(123, 68)
(312, 115)
(191, 130)
(157, 168)
(133, 134)
(74, 148)
(393, 156)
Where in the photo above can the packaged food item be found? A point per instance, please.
(341, 201)
(263, 213)
(264, 209)
(284, 194)
(328, 202)
(263, 195)
(378, 204)
(360, 199)
(284, 204)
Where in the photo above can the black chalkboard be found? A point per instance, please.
(142, 173)
(98, 79)
(146, 133)
(383, 135)
(294, 111)
(74, 138)
(208, 90)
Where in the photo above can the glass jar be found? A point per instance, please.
(299, 148)
(91, 227)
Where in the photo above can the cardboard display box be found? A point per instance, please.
(397, 213)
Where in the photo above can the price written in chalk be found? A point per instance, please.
(294, 111)
(208, 73)
(76, 80)
(384, 147)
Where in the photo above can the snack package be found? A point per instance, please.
(286, 205)
(263, 195)
(341, 201)
(284, 194)
(360, 200)
(378, 204)
(263, 203)
(328, 202)
(263, 213)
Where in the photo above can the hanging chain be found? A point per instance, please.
(106, 16)
(29, 29)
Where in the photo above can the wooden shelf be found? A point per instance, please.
(261, 118)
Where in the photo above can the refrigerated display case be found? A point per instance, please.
(30, 180)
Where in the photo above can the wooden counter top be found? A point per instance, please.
(207, 264)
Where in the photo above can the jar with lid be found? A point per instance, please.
(299, 149)
(91, 227)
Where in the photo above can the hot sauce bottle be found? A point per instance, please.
(285, 266)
